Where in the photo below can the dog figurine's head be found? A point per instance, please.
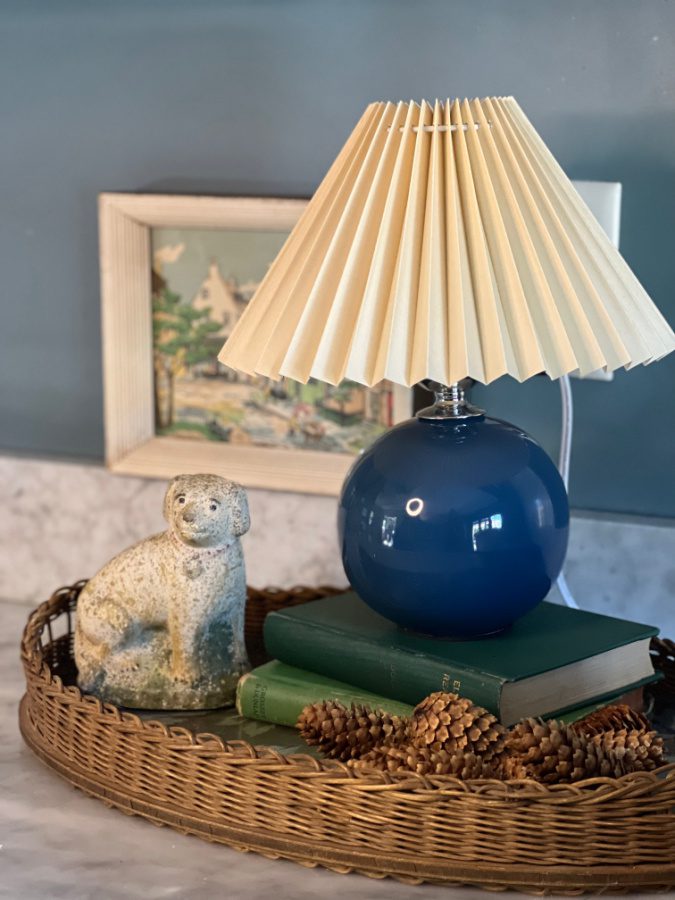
(206, 510)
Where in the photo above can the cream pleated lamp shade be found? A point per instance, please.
(445, 242)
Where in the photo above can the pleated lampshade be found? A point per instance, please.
(445, 242)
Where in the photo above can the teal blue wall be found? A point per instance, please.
(256, 97)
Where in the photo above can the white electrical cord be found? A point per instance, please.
(564, 466)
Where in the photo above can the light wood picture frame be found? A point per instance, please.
(132, 444)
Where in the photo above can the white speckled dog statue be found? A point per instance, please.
(161, 626)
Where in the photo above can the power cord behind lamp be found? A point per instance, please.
(564, 467)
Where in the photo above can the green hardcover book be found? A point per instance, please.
(551, 660)
(278, 693)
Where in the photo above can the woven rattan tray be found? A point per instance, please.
(599, 835)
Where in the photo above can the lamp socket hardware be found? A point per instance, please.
(598, 375)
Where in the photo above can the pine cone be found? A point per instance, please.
(612, 718)
(627, 750)
(423, 761)
(553, 753)
(450, 723)
(386, 758)
(345, 733)
(544, 751)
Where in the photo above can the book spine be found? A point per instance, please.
(390, 672)
(264, 696)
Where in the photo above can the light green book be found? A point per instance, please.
(275, 692)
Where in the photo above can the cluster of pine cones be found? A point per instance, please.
(449, 735)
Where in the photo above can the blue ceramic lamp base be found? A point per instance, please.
(453, 524)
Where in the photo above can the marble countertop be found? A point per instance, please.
(55, 842)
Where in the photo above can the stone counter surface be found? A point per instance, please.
(58, 844)
(63, 521)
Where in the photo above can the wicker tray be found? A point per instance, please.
(599, 835)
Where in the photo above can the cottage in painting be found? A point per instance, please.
(219, 298)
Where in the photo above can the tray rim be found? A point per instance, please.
(243, 752)
(321, 853)
(407, 790)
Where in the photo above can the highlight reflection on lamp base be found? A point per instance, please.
(453, 527)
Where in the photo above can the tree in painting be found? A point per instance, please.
(180, 337)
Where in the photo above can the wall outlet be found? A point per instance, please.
(603, 198)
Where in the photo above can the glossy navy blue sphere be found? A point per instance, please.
(453, 527)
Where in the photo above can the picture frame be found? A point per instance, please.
(133, 445)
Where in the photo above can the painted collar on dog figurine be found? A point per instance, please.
(193, 559)
(205, 551)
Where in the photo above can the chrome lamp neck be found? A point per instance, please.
(450, 401)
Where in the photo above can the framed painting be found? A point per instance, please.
(176, 274)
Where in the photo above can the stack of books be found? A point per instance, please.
(555, 661)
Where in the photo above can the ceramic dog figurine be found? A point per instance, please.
(161, 626)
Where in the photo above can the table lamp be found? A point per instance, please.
(446, 244)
